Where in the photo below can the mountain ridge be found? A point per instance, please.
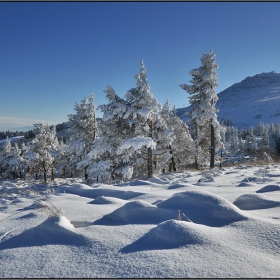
(247, 103)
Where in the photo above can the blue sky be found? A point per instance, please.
(52, 54)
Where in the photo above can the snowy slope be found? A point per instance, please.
(255, 99)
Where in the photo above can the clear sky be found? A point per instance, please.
(52, 54)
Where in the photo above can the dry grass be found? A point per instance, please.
(44, 204)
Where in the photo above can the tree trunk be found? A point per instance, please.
(45, 172)
(173, 163)
(212, 159)
(196, 163)
(196, 166)
(150, 163)
(64, 172)
(221, 159)
(170, 167)
(86, 175)
(150, 153)
(52, 174)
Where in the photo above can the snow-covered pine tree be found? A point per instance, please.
(104, 161)
(131, 128)
(5, 156)
(150, 129)
(250, 141)
(62, 158)
(223, 135)
(180, 142)
(16, 162)
(264, 134)
(42, 150)
(83, 131)
(203, 114)
(234, 139)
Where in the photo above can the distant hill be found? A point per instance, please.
(247, 103)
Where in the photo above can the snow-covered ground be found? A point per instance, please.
(229, 227)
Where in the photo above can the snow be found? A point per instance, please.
(136, 143)
(194, 224)
(249, 102)
(255, 201)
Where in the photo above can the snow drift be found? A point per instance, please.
(255, 201)
(54, 231)
(204, 208)
(172, 234)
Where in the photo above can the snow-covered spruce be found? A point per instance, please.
(83, 131)
(203, 114)
(42, 151)
(137, 136)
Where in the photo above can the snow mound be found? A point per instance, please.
(204, 208)
(177, 233)
(213, 173)
(62, 222)
(157, 180)
(246, 184)
(177, 186)
(54, 231)
(269, 188)
(89, 192)
(172, 234)
(134, 183)
(255, 201)
(107, 200)
(136, 212)
(253, 180)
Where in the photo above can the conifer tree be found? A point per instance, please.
(203, 114)
(133, 133)
(16, 162)
(104, 161)
(42, 151)
(179, 143)
(83, 131)
(250, 141)
(6, 155)
(264, 134)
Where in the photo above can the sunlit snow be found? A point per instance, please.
(197, 224)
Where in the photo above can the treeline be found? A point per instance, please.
(262, 141)
(27, 134)
(137, 137)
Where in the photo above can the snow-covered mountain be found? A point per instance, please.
(255, 99)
